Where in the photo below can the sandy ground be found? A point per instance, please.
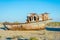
(41, 35)
(52, 35)
(26, 34)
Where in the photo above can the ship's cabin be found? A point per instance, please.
(33, 17)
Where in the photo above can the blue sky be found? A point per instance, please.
(17, 10)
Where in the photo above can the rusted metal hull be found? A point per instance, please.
(28, 26)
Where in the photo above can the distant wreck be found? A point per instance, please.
(33, 22)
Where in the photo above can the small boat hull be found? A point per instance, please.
(52, 29)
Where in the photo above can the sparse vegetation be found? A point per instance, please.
(33, 38)
(54, 24)
(0, 36)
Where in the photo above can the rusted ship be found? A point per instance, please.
(33, 22)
